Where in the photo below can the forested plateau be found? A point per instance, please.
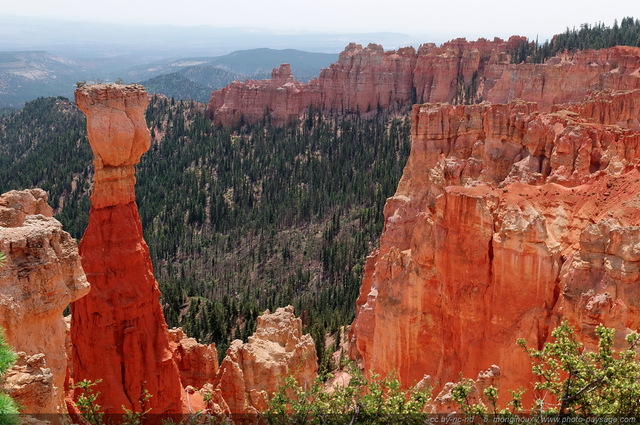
(237, 220)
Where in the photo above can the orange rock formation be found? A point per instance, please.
(41, 276)
(365, 79)
(118, 331)
(251, 372)
(506, 219)
(198, 363)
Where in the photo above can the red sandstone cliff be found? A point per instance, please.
(118, 330)
(506, 219)
(250, 99)
(364, 79)
(41, 276)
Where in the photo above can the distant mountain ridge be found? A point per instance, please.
(257, 62)
(251, 63)
(28, 75)
(195, 78)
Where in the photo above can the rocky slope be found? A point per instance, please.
(506, 220)
(41, 276)
(118, 331)
(365, 79)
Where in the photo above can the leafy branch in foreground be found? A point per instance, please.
(463, 394)
(588, 383)
(90, 409)
(573, 382)
(87, 402)
(362, 400)
(131, 417)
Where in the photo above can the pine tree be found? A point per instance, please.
(8, 408)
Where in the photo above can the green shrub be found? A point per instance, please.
(602, 382)
(362, 400)
(86, 400)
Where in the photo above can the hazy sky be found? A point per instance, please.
(447, 18)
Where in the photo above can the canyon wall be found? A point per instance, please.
(366, 79)
(40, 277)
(506, 220)
(118, 331)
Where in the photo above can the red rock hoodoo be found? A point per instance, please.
(365, 79)
(118, 330)
(506, 220)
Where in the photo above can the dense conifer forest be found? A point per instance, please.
(237, 220)
(597, 36)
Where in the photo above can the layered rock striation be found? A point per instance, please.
(251, 372)
(118, 331)
(506, 220)
(42, 274)
(367, 79)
